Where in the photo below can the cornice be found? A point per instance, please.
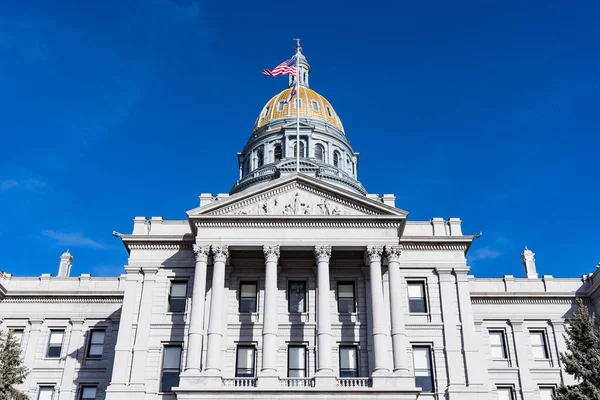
(305, 222)
(61, 299)
(410, 245)
(160, 246)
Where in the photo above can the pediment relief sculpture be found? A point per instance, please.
(296, 203)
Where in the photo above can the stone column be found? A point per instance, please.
(452, 335)
(215, 322)
(524, 360)
(194, 345)
(142, 337)
(32, 346)
(120, 374)
(269, 345)
(323, 254)
(397, 312)
(377, 310)
(71, 359)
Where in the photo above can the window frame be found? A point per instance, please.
(90, 343)
(62, 342)
(544, 343)
(329, 112)
(322, 150)
(337, 295)
(511, 390)
(265, 111)
(552, 389)
(336, 158)
(289, 292)
(423, 284)
(240, 298)
(237, 367)
(51, 387)
(431, 369)
(86, 386)
(305, 370)
(19, 335)
(297, 103)
(280, 105)
(302, 149)
(260, 157)
(162, 366)
(315, 106)
(356, 361)
(184, 298)
(277, 151)
(504, 347)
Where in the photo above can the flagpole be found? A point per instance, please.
(297, 99)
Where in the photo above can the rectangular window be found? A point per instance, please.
(297, 361)
(244, 366)
(538, 344)
(505, 393)
(345, 292)
(248, 295)
(296, 297)
(280, 105)
(87, 393)
(498, 345)
(348, 362)
(177, 297)
(422, 367)
(18, 334)
(546, 392)
(96, 344)
(46, 393)
(416, 297)
(315, 105)
(297, 103)
(55, 343)
(170, 368)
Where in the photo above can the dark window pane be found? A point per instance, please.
(247, 305)
(245, 362)
(348, 373)
(346, 305)
(297, 297)
(425, 383)
(177, 305)
(416, 305)
(170, 379)
(54, 351)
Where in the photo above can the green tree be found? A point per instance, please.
(12, 370)
(582, 359)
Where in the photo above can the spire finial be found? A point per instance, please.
(298, 47)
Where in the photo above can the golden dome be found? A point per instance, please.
(313, 105)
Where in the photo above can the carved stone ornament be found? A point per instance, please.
(271, 253)
(220, 253)
(323, 253)
(374, 253)
(294, 203)
(201, 252)
(393, 253)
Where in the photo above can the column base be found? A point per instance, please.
(121, 391)
(267, 380)
(392, 381)
(325, 380)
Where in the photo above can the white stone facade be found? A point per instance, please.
(369, 246)
(297, 285)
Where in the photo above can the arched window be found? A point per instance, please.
(260, 155)
(319, 153)
(302, 150)
(336, 158)
(277, 153)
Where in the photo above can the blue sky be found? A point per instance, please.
(487, 112)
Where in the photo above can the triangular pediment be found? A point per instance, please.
(297, 195)
(302, 125)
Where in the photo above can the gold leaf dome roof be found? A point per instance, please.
(313, 106)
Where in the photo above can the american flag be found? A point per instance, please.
(287, 67)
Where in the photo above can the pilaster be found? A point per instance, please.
(67, 383)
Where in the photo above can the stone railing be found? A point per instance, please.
(353, 382)
(297, 382)
(239, 382)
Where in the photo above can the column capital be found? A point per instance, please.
(374, 253)
(392, 253)
(271, 253)
(323, 253)
(220, 253)
(201, 252)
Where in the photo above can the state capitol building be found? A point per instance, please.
(294, 285)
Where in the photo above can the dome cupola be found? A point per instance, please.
(325, 152)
